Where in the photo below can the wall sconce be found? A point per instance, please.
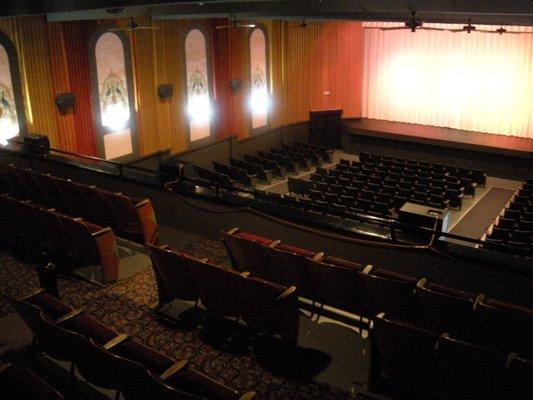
(235, 85)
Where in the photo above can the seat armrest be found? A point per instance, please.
(286, 293)
(246, 274)
(232, 231)
(247, 396)
(141, 203)
(165, 247)
(101, 231)
(115, 341)
(69, 315)
(274, 243)
(318, 256)
(178, 366)
(38, 291)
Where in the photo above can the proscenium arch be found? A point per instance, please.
(265, 128)
(184, 80)
(101, 130)
(14, 71)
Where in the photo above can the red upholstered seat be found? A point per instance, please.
(127, 224)
(173, 275)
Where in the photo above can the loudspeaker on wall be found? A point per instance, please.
(165, 91)
(65, 102)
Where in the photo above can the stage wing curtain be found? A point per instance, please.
(478, 81)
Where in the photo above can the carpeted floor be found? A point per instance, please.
(124, 306)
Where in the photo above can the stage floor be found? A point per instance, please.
(476, 226)
(438, 136)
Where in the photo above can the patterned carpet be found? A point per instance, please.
(124, 306)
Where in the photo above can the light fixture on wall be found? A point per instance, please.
(65, 102)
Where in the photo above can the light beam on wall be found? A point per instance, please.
(8, 129)
(116, 117)
(199, 108)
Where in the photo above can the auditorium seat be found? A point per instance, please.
(19, 382)
(505, 326)
(339, 286)
(406, 353)
(214, 285)
(246, 252)
(520, 372)
(29, 185)
(448, 310)
(172, 274)
(51, 193)
(268, 307)
(185, 379)
(469, 371)
(391, 293)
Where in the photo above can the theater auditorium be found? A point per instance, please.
(269, 200)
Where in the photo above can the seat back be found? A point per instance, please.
(291, 269)
(127, 224)
(147, 221)
(448, 310)
(214, 285)
(83, 244)
(274, 308)
(405, 352)
(506, 327)
(51, 193)
(520, 372)
(76, 204)
(26, 311)
(29, 184)
(391, 293)
(339, 287)
(99, 210)
(471, 372)
(54, 232)
(173, 277)
(246, 252)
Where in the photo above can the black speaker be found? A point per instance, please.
(325, 128)
(65, 102)
(235, 85)
(165, 91)
(35, 143)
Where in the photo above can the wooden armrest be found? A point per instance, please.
(274, 243)
(38, 291)
(173, 369)
(246, 274)
(4, 367)
(381, 315)
(318, 256)
(93, 187)
(69, 315)
(367, 269)
(141, 203)
(479, 299)
(421, 283)
(232, 231)
(286, 293)
(443, 335)
(78, 219)
(115, 341)
(102, 231)
(247, 396)
(165, 247)
(510, 358)
(204, 260)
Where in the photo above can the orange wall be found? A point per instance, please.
(304, 63)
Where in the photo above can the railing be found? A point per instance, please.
(245, 196)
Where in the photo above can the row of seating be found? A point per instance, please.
(235, 174)
(476, 175)
(130, 218)
(226, 292)
(367, 291)
(512, 229)
(277, 170)
(319, 150)
(18, 382)
(445, 367)
(64, 240)
(111, 360)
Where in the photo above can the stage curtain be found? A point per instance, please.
(479, 81)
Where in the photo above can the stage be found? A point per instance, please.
(501, 156)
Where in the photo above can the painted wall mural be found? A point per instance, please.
(9, 126)
(113, 95)
(259, 98)
(198, 99)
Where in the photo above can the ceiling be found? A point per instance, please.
(506, 12)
